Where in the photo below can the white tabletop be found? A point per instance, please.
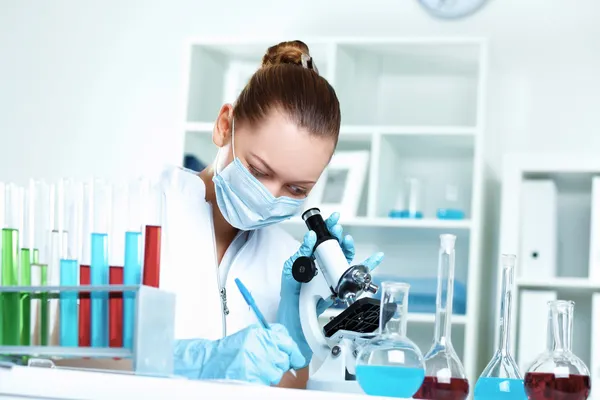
(53, 383)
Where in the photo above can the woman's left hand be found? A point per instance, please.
(288, 313)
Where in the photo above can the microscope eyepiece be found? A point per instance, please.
(314, 222)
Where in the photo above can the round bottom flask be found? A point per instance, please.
(391, 365)
(558, 374)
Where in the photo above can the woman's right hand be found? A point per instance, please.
(254, 354)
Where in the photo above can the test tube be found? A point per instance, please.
(28, 255)
(132, 276)
(2, 221)
(58, 242)
(40, 322)
(68, 303)
(152, 237)
(115, 321)
(99, 272)
(41, 219)
(85, 321)
(10, 312)
(25, 280)
(84, 268)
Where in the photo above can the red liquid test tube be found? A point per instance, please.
(151, 274)
(115, 309)
(85, 321)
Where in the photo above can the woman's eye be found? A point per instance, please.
(256, 172)
(298, 191)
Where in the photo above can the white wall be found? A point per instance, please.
(84, 82)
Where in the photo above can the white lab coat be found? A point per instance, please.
(189, 263)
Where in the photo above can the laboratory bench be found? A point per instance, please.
(18, 382)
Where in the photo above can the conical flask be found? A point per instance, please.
(445, 377)
(501, 379)
(557, 373)
(391, 365)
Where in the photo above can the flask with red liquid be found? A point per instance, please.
(558, 374)
(445, 377)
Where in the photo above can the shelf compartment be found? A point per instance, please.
(408, 83)
(219, 71)
(573, 214)
(438, 162)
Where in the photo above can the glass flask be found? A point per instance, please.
(390, 364)
(501, 379)
(558, 374)
(445, 377)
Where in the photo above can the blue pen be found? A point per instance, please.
(252, 304)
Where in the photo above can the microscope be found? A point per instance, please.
(327, 275)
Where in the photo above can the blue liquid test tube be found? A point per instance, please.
(99, 276)
(69, 318)
(132, 273)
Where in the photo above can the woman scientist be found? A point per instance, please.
(274, 143)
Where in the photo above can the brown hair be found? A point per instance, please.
(288, 80)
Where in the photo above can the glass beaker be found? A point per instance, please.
(501, 379)
(558, 373)
(390, 364)
(445, 376)
(451, 208)
(408, 203)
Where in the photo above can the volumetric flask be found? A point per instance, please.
(558, 373)
(391, 365)
(445, 377)
(501, 379)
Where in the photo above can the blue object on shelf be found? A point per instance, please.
(422, 295)
(405, 214)
(450, 213)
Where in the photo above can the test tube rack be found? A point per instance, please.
(153, 333)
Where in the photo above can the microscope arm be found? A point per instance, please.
(310, 294)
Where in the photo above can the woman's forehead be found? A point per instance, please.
(291, 152)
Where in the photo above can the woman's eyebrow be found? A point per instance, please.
(261, 161)
(270, 170)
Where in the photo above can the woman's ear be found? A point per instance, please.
(223, 125)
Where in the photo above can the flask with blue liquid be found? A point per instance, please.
(391, 365)
(501, 379)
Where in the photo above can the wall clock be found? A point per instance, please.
(452, 9)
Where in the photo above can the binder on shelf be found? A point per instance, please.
(594, 265)
(538, 230)
(595, 361)
(533, 322)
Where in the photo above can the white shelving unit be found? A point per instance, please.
(572, 175)
(417, 104)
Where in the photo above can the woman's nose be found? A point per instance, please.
(275, 188)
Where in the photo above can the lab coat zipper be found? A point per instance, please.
(221, 290)
(224, 301)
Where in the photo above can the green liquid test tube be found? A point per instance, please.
(11, 302)
(25, 275)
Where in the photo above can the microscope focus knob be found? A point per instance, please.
(304, 269)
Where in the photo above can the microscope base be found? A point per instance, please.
(333, 386)
(331, 375)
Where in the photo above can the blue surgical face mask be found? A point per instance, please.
(244, 202)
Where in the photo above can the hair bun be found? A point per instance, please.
(293, 52)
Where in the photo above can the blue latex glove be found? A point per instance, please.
(255, 355)
(288, 313)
